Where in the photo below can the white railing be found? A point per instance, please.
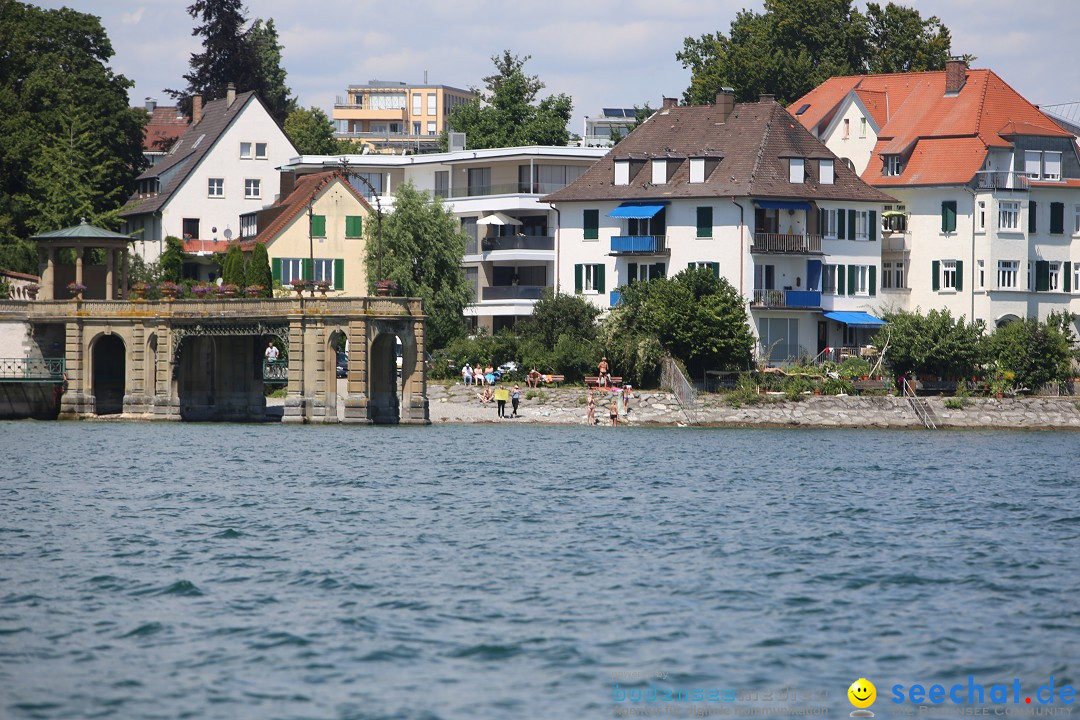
(786, 243)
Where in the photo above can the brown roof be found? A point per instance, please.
(754, 142)
(164, 125)
(288, 207)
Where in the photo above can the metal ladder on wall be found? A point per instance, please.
(922, 410)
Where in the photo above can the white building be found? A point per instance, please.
(223, 166)
(744, 191)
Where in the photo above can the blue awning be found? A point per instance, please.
(635, 211)
(783, 205)
(856, 319)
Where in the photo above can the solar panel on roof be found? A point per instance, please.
(613, 112)
(804, 108)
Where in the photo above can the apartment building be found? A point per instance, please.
(395, 117)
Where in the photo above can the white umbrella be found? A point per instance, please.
(498, 219)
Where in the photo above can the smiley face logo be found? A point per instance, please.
(862, 694)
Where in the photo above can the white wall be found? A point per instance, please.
(856, 147)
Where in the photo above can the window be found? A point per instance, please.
(416, 128)
(827, 172)
(431, 128)
(780, 338)
(714, 266)
(416, 109)
(215, 187)
(894, 219)
(828, 279)
(1007, 274)
(891, 165)
(590, 222)
(324, 270)
(643, 271)
(828, 223)
(1075, 277)
(1057, 218)
(1032, 164)
(191, 228)
(354, 226)
(981, 280)
(1076, 219)
(622, 172)
(260, 151)
(318, 226)
(982, 215)
(797, 170)
(376, 180)
(659, 171)
(948, 216)
(764, 277)
(442, 183)
(704, 222)
(388, 101)
(1042, 165)
(1051, 166)
(847, 128)
(1030, 277)
(588, 279)
(862, 127)
(479, 181)
(547, 178)
(859, 280)
(253, 188)
(245, 150)
(948, 275)
(1054, 283)
(697, 170)
(862, 225)
(249, 225)
(291, 269)
(892, 275)
(432, 108)
(1033, 217)
(1008, 215)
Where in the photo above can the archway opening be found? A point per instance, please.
(108, 358)
(384, 399)
(336, 373)
(220, 378)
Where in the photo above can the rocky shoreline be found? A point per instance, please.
(566, 406)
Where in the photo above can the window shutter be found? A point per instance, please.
(591, 224)
(339, 273)
(318, 226)
(852, 273)
(1042, 275)
(821, 221)
(850, 224)
(631, 271)
(306, 270)
(578, 269)
(959, 275)
(1057, 218)
(840, 269)
(600, 279)
(935, 282)
(275, 269)
(1067, 267)
(948, 216)
(873, 280)
(704, 222)
(872, 230)
(841, 226)
(716, 269)
(1033, 215)
(354, 226)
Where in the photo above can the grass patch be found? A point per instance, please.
(279, 393)
(956, 403)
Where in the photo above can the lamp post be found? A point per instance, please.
(311, 242)
(378, 212)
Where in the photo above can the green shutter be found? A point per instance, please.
(841, 226)
(959, 275)
(851, 224)
(1068, 276)
(840, 277)
(600, 279)
(716, 269)
(704, 222)
(935, 281)
(852, 274)
(821, 221)
(631, 271)
(318, 226)
(1042, 275)
(1033, 215)
(873, 280)
(591, 224)
(872, 230)
(339, 273)
(578, 270)
(275, 269)
(948, 216)
(1057, 218)
(306, 270)
(354, 226)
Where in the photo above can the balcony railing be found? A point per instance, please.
(787, 299)
(513, 292)
(32, 369)
(518, 242)
(275, 372)
(1000, 180)
(785, 243)
(536, 188)
(638, 245)
(614, 297)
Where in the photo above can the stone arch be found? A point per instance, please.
(152, 364)
(1005, 319)
(336, 339)
(108, 373)
(384, 402)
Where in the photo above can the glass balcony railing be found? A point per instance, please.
(513, 292)
(518, 242)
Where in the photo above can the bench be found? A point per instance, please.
(594, 380)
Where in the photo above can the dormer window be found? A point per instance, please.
(697, 170)
(622, 172)
(659, 171)
(797, 170)
(891, 165)
(827, 172)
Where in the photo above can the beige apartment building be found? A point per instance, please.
(394, 117)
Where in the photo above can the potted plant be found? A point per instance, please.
(227, 290)
(322, 286)
(140, 289)
(254, 291)
(202, 291)
(32, 290)
(76, 289)
(300, 285)
(169, 290)
(385, 287)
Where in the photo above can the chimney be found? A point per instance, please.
(766, 97)
(669, 103)
(230, 95)
(288, 184)
(151, 103)
(725, 102)
(196, 108)
(955, 75)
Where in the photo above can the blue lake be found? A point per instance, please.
(237, 571)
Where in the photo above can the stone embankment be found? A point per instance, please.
(566, 406)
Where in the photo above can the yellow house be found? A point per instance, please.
(389, 117)
(316, 231)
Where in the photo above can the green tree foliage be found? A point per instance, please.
(171, 262)
(795, 45)
(933, 344)
(233, 271)
(313, 134)
(422, 247)
(561, 336)
(71, 147)
(1037, 352)
(506, 116)
(696, 317)
(232, 51)
(258, 270)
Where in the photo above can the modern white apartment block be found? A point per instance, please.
(740, 189)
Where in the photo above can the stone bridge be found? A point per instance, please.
(203, 359)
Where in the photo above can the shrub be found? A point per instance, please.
(1036, 352)
(933, 344)
(956, 403)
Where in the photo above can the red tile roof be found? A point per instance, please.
(288, 207)
(947, 136)
(162, 128)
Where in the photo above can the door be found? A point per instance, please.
(822, 335)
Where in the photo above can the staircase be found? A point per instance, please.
(921, 408)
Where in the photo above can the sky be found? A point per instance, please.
(616, 55)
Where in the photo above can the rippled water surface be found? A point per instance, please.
(228, 571)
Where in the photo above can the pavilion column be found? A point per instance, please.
(48, 278)
(78, 265)
(110, 273)
(125, 268)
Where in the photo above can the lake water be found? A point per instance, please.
(238, 571)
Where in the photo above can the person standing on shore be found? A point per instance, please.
(591, 406)
(501, 396)
(614, 411)
(515, 398)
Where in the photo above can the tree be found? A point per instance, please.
(232, 269)
(505, 115)
(1037, 352)
(258, 270)
(171, 262)
(933, 344)
(313, 134)
(795, 45)
(422, 247)
(249, 57)
(560, 314)
(71, 146)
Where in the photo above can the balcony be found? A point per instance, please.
(784, 243)
(42, 370)
(614, 297)
(1000, 180)
(810, 299)
(505, 189)
(512, 292)
(639, 245)
(518, 242)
